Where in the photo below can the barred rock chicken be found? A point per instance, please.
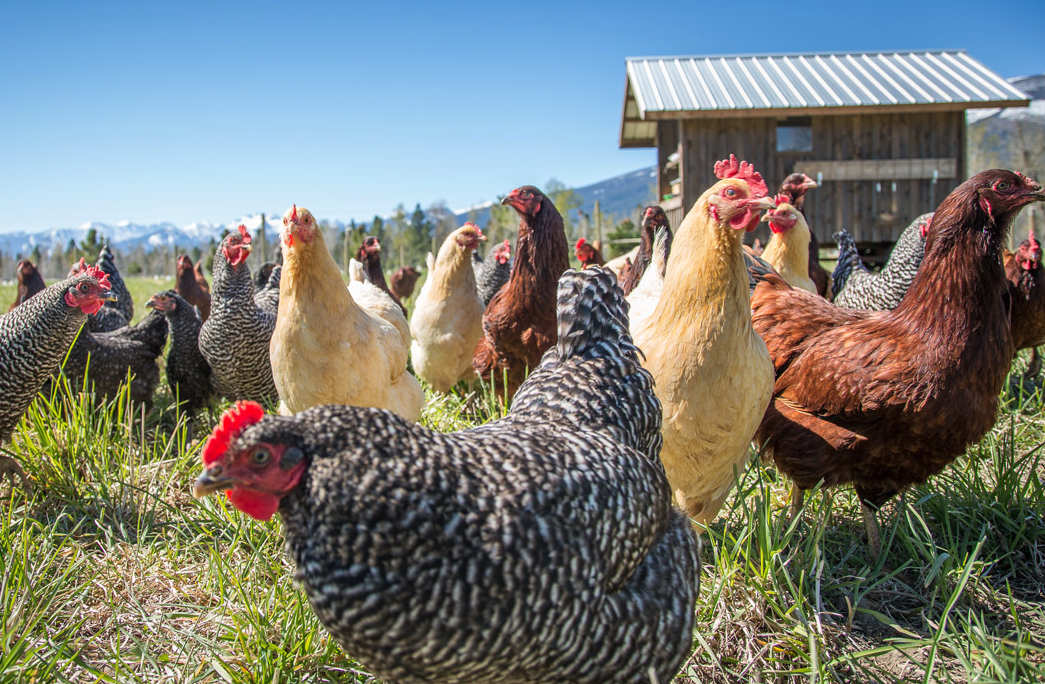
(858, 288)
(188, 288)
(30, 282)
(188, 373)
(1027, 292)
(33, 340)
(102, 362)
(492, 272)
(235, 339)
(519, 323)
(588, 253)
(542, 547)
(788, 248)
(369, 253)
(653, 218)
(403, 282)
(795, 188)
(334, 345)
(712, 371)
(106, 318)
(267, 298)
(448, 314)
(123, 302)
(884, 400)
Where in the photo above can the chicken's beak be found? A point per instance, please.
(151, 304)
(108, 297)
(211, 481)
(482, 238)
(762, 204)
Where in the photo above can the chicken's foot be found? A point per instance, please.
(874, 532)
(797, 497)
(9, 468)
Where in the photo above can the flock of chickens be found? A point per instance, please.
(556, 543)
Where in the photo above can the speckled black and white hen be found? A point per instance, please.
(188, 373)
(492, 272)
(102, 361)
(124, 303)
(542, 547)
(235, 338)
(857, 288)
(34, 337)
(267, 298)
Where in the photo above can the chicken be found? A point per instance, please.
(188, 288)
(403, 282)
(261, 278)
(267, 298)
(201, 279)
(448, 314)
(30, 282)
(646, 293)
(788, 248)
(102, 362)
(885, 400)
(235, 339)
(519, 323)
(34, 338)
(1027, 292)
(369, 253)
(712, 371)
(493, 272)
(123, 302)
(105, 318)
(188, 373)
(588, 253)
(857, 288)
(795, 188)
(653, 218)
(330, 345)
(541, 547)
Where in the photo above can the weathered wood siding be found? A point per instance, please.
(869, 214)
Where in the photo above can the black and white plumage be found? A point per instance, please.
(106, 319)
(267, 298)
(235, 338)
(103, 361)
(188, 373)
(491, 273)
(124, 304)
(857, 288)
(542, 547)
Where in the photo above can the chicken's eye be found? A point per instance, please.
(84, 287)
(731, 193)
(1002, 186)
(260, 455)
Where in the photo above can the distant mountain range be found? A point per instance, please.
(618, 196)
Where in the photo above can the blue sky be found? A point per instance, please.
(208, 111)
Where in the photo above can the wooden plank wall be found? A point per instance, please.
(870, 215)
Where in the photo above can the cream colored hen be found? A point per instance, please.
(788, 248)
(332, 344)
(712, 371)
(447, 321)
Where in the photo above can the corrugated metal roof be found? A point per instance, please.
(667, 87)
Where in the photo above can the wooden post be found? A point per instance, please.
(262, 241)
(598, 225)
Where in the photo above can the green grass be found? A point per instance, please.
(113, 573)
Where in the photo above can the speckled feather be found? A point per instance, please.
(34, 338)
(538, 548)
(857, 288)
(235, 339)
(124, 304)
(267, 298)
(188, 373)
(490, 275)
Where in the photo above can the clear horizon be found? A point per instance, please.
(208, 112)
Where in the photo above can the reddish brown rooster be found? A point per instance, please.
(1027, 290)
(519, 323)
(188, 287)
(588, 253)
(201, 279)
(795, 187)
(29, 282)
(883, 400)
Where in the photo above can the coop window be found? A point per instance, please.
(794, 135)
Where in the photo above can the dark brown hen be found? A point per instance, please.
(519, 323)
(884, 400)
(30, 282)
(188, 287)
(541, 547)
(653, 217)
(370, 254)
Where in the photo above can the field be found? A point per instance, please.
(113, 573)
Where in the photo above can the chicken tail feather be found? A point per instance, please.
(592, 316)
(849, 260)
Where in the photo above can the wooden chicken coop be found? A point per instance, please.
(883, 132)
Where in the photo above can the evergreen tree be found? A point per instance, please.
(622, 231)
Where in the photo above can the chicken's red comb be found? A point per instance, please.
(294, 212)
(101, 276)
(233, 422)
(782, 199)
(731, 168)
(580, 243)
(1029, 180)
(243, 232)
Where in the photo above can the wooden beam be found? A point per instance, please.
(830, 111)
